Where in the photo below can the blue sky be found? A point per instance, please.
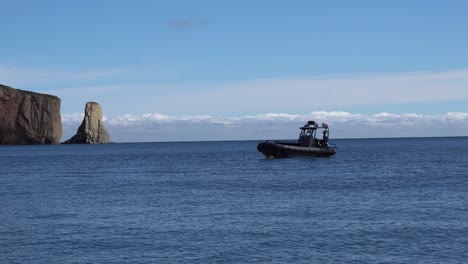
(216, 64)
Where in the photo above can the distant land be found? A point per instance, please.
(29, 118)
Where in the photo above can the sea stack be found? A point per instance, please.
(91, 130)
(29, 118)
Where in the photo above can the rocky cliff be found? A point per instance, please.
(92, 130)
(28, 117)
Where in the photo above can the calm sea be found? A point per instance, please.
(376, 201)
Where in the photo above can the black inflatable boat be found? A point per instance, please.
(306, 145)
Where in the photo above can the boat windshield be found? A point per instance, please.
(307, 132)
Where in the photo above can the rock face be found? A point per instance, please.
(92, 130)
(28, 117)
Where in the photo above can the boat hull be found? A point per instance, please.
(279, 150)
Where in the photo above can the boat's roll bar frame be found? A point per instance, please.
(313, 125)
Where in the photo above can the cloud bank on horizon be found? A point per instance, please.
(159, 127)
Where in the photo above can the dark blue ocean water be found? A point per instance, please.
(376, 201)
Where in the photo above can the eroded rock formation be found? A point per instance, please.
(28, 117)
(92, 130)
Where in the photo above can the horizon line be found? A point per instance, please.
(261, 140)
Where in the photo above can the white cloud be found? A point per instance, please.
(287, 95)
(21, 77)
(180, 23)
(160, 127)
(281, 95)
(72, 118)
(340, 91)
